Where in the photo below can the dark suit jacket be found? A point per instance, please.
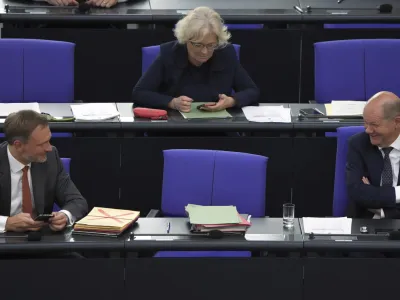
(50, 184)
(159, 85)
(365, 159)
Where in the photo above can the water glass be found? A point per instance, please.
(288, 215)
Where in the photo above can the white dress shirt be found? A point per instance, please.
(394, 157)
(16, 191)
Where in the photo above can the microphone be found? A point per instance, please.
(385, 8)
(34, 236)
(31, 236)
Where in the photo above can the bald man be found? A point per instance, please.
(373, 161)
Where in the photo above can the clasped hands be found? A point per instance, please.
(24, 222)
(97, 3)
(183, 103)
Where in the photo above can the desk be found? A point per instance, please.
(314, 164)
(58, 277)
(349, 11)
(215, 278)
(142, 157)
(352, 269)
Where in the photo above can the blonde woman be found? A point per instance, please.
(200, 66)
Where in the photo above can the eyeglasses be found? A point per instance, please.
(210, 47)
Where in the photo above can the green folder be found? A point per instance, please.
(204, 215)
(202, 114)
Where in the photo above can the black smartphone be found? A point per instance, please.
(43, 217)
(311, 112)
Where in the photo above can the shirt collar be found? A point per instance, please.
(395, 144)
(15, 165)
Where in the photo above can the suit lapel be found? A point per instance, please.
(38, 182)
(5, 181)
(376, 165)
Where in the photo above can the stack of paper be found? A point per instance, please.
(8, 108)
(327, 225)
(94, 111)
(345, 108)
(106, 221)
(223, 218)
(272, 114)
(196, 113)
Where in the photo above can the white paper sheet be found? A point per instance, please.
(271, 114)
(327, 225)
(8, 108)
(94, 111)
(347, 108)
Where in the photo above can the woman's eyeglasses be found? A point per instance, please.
(210, 47)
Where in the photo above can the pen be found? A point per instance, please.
(298, 9)
(168, 226)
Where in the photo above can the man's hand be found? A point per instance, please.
(181, 103)
(365, 180)
(62, 2)
(22, 222)
(224, 102)
(58, 222)
(102, 3)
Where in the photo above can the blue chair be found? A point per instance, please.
(210, 177)
(340, 198)
(355, 69)
(244, 26)
(66, 164)
(361, 26)
(35, 70)
(150, 53)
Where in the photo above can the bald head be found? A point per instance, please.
(382, 118)
(385, 103)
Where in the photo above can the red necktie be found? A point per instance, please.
(26, 192)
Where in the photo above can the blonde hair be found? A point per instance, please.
(199, 22)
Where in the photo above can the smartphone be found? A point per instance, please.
(43, 217)
(200, 107)
(311, 112)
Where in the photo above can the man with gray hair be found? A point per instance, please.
(32, 177)
(373, 161)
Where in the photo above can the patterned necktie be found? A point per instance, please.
(387, 173)
(26, 192)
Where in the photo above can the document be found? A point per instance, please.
(105, 221)
(8, 108)
(345, 108)
(203, 114)
(327, 225)
(94, 111)
(203, 215)
(267, 114)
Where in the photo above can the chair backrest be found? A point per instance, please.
(340, 198)
(361, 26)
(244, 26)
(66, 164)
(36, 71)
(355, 69)
(210, 177)
(150, 53)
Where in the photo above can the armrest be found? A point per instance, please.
(154, 213)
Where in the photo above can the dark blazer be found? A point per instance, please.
(158, 86)
(366, 160)
(50, 184)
